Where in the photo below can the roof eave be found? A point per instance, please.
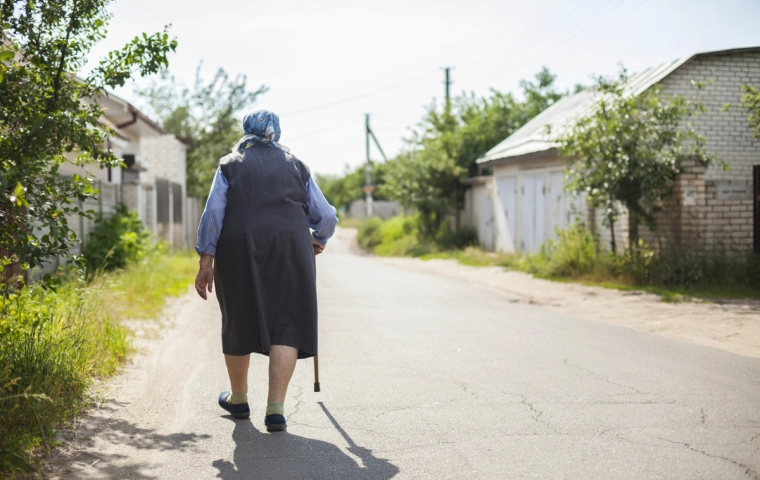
(497, 162)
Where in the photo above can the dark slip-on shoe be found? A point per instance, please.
(275, 423)
(237, 410)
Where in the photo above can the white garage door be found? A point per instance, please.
(533, 224)
(507, 187)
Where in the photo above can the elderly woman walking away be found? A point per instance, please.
(256, 245)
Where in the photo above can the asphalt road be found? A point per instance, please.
(428, 377)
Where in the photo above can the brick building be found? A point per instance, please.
(152, 184)
(522, 204)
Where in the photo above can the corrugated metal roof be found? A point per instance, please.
(539, 134)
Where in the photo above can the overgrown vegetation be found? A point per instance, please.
(576, 255)
(53, 342)
(117, 241)
(402, 235)
(49, 115)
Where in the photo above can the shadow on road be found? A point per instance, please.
(283, 455)
(116, 456)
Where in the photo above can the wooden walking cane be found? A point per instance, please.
(316, 357)
(316, 373)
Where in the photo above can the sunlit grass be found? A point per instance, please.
(143, 288)
(53, 342)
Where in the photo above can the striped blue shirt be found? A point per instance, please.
(321, 215)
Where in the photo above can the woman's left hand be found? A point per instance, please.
(318, 247)
(205, 278)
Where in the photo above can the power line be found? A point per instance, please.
(579, 17)
(611, 24)
(563, 41)
(355, 98)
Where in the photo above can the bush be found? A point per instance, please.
(574, 253)
(117, 241)
(368, 235)
(401, 236)
(459, 239)
(397, 236)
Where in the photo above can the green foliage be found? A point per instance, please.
(144, 286)
(630, 149)
(117, 241)
(340, 191)
(49, 115)
(751, 101)
(458, 239)
(429, 178)
(206, 115)
(5, 56)
(572, 254)
(396, 236)
(368, 234)
(52, 342)
(401, 236)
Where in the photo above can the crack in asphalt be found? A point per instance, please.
(606, 379)
(748, 470)
(535, 413)
(299, 402)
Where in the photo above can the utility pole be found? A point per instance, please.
(368, 187)
(448, 88)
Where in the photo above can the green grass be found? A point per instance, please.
(54, 342)
(599, 276)
(349, 222)
(143, 288)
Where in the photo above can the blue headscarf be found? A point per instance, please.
(262, 126)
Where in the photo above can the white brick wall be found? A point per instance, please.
(166, 156)
(727, 223)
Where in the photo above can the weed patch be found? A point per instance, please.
(574, 255)
(53, 342)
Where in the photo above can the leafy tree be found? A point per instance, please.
(751, 101)
(430, 176)
(49, 115)
(629, 150)
(341, 191)
(205, 114)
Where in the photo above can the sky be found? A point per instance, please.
(327, 63)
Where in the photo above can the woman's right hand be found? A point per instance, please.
(205, 278)
(318, 247)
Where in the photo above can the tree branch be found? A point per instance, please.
(62, 63)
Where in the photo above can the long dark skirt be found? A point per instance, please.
(266, 286)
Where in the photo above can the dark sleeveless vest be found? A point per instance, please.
(264, 268)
